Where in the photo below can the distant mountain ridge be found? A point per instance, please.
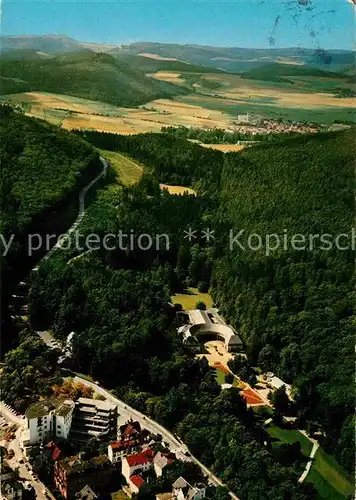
(232, 59)
(85, 74)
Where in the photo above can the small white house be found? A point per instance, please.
(182, 490)
(161, 460)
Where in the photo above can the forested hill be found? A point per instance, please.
(294, 308)
(42, 170)
(85, 74)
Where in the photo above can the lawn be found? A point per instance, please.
(290, 436)
(128, 172)
(220, 376)
(329, 479)
(327, 476)
(190, 297)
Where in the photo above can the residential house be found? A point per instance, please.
(120, 449)
(138, 463)
(10, 487)
(54, 451)
(135, 483)
(182, 490)
(86, 493)
(161, 460)
(130, 430)
(72, 474)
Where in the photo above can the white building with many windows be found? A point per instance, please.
(48, 419)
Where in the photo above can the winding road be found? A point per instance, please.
(175, 444)
(80, 215)
(19, 460)
(127, 412)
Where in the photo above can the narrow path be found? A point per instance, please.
(310, 461)
(176, 445)
(80, 215)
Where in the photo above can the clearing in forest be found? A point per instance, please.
(225, 148)
(190, 297)
(178, 190)
(128, 171)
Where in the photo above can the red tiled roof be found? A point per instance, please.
(141, 458)
(130, 429)
(137, 480)
(55, 451)
(121, 445)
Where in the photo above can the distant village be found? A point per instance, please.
(254, 125)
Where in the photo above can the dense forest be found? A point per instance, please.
(117, 302)
(172, 160)
(86, 74)
(292, 308)
(42, 170)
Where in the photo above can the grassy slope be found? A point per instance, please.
(128, 172)
(88, 75)
(329, 479)
(148, 65)
(291, 436)
(275, 71)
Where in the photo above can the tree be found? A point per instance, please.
(280, 400)
(200, 305)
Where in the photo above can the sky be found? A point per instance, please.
(236, 23)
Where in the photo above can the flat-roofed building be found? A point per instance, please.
(48, 419)
(93, 418)
(197, 325)
(72, 474)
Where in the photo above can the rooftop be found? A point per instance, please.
(137, 480)
(121, 445)
(60, 407)
(141, 458)
(75, 464)
(97, 403)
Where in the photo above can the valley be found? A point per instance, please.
(200, 351)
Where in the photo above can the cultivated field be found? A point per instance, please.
(205, 108)
(75, 113)
(157, 57)
(225, 148)
(168, 76)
